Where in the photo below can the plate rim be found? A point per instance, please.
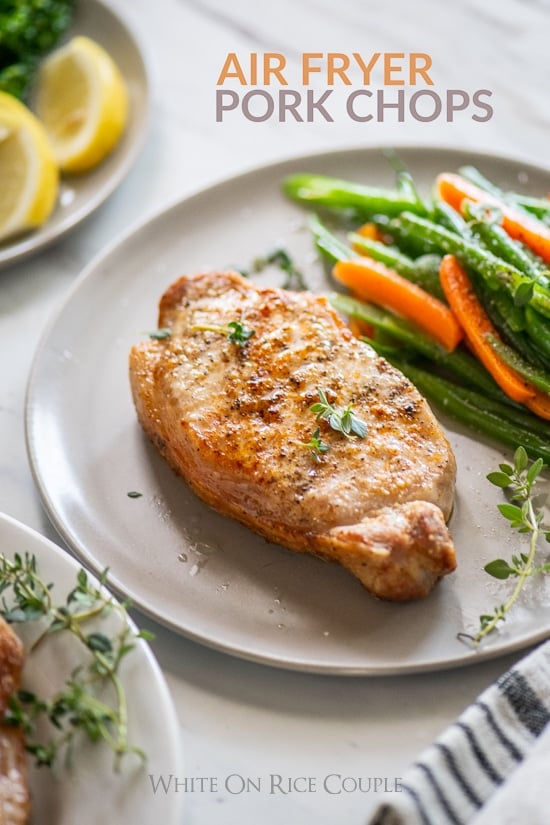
(63, 557)
(32, 243)
(142, 603)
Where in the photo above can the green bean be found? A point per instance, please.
(495, 272)
(538, 377)
(389, 255)
(496, 420)
(504, 307)
(450, 219)
(498, 241)
(423, 272)
(539, 330)
(404, 180)
(383, 348)
(407, 187)
(443, 212)
(513, 336)
(540, 207)
(474, 176)
(332, 248)
(409, 245)
(459, 362)
(427, 273)
(318, 190)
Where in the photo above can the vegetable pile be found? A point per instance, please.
(454, 291)
(28, 30)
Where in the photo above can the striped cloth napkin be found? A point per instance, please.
(492, 766)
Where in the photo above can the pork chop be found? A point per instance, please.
(14, 789)
(233, 418)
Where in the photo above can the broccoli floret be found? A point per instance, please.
(16, 78)
(28, 30)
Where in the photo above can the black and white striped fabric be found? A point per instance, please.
(492, 766)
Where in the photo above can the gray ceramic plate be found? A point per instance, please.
(91, 791)
(204, 575)
(80, 195)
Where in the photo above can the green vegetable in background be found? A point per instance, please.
(29, 29)
(333, 193)
(16, 78)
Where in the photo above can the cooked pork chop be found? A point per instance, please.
(14, 791)
(234, 419)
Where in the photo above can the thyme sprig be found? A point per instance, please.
(235, 331)
(316, 445)
(294, 277)
(341, 419)
(81, 704)
(160, 334)
(524, 511)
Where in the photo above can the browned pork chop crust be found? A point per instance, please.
(14, 790)
(233, 421)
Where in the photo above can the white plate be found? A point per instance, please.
(79, 195)
(91, 792)
(202, 574)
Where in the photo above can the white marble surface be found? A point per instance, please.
(236, 717)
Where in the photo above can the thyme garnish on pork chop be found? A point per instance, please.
(341, 419)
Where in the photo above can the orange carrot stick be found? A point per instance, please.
(360, 328)
(454, 189)
(371, 231)
(540, 404)
(477, 327)
(375, 282)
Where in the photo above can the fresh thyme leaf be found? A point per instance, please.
(235, 331)
(511, 512)
(100, 642)
(83, 703)
(499, 569)
(499, 479)
(527, 518)
(521, 460)
(294, 277)
(340, 419)
(160, 334)
(316, 445)
(134, 494)
(240, 334)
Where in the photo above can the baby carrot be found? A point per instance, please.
(522, 227)
(360, 328)
(479, 329)
(373, 281)
(371, 231)
(540, 404)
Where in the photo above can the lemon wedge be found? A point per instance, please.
(28, 172)
(81, 99)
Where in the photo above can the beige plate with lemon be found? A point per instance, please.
(75, 149)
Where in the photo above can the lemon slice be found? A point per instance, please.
(82, 100)
(28, 171)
